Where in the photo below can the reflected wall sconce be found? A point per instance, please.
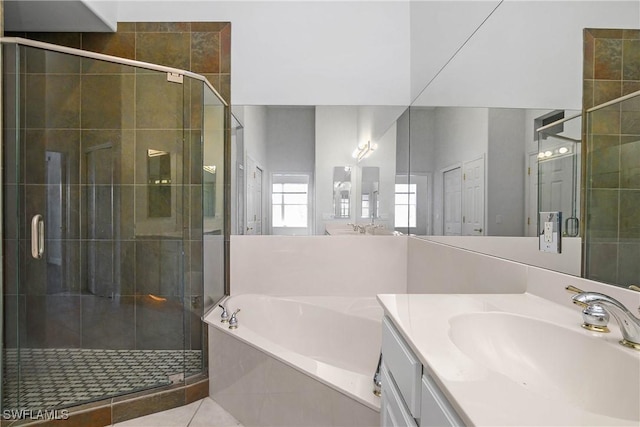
(555, 153)
(363, 151)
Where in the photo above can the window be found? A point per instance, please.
(344, 204)
(290, 200)
(365, 206)
(405, 201)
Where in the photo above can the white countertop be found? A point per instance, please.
(483, 396)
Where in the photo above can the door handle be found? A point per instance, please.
(479, 230)
(37, 236)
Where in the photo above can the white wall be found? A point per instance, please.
(60, 15)
(506, 172)
(520, 249)
(527, 55)
(305, 52)
(438, 29)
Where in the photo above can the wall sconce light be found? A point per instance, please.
(363, 151)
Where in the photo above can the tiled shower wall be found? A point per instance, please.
(201, 47)
(611, 190)
(148, 264)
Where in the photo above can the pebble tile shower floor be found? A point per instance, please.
(63, 377)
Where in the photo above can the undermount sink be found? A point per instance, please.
(550, 360)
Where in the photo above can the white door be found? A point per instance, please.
(556, 184)
(473, 198)
(531, 220)
(254, 198)
(452, 202)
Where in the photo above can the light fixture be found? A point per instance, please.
(554, 153)
(363, 151)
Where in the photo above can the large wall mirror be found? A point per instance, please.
(464, 159)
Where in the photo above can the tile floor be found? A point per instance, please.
(203, 413)
(50, 378)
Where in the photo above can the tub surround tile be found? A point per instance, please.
(551, 286)
(372, 264)
(298, 399)
(481, 273)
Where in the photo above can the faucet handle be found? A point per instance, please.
(224, 317)
(595, 318)
(233, 321)
(572, 289)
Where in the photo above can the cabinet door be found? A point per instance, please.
(393, 411)
(404, 366)
(435, 410)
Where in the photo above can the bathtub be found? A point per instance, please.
(303, 360)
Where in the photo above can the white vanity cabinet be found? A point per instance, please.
(409, 397)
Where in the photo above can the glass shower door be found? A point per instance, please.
(93, 229)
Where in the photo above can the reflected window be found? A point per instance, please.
(405, 205)
(290, 200)
(344, 204)
(365, 206)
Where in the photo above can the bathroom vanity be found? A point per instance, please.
(501, 359)
(410, 397)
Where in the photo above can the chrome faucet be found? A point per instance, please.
(629, 324)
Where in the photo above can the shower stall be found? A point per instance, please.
(112, 182)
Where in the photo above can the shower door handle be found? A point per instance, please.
(37, 236)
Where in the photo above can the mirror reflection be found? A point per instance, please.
(342, 191)
(463, 159)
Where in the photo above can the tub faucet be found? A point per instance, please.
(629, 324)
(224, 316)
(233, 321)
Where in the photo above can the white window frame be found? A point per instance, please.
(290, 178)
(412, 189)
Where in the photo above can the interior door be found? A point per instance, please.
(473, 198)
(254, 198)
(556, 184)
(452, 202)
(531, 221)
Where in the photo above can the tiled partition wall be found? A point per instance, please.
(611, 187)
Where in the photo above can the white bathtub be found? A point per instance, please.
(334, 340)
